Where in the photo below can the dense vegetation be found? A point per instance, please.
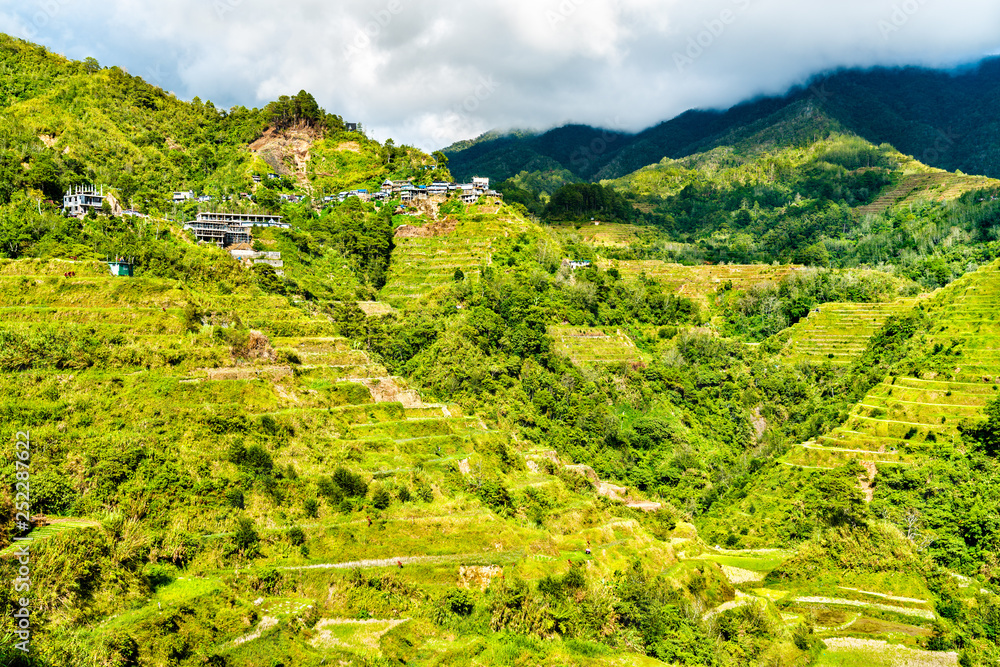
(242, 472)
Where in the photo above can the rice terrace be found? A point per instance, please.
(346, 377)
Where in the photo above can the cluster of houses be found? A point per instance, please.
(234, 229)
(407, 192)
(181, 197)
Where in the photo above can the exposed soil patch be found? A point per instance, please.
(387, 390)
(273, 373)
(442, 228)
(287, 150)
(475, 576)
(351, 146)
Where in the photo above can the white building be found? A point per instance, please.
(79, 200)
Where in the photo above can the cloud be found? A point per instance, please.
(432, 73)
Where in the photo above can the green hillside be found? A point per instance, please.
(736, 408)
(838, 333)
(947, 379)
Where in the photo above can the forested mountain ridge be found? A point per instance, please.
(942, 118)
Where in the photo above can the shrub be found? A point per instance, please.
(245, 538)
(257, 460)
(235, 498)
(192, 318)
(296, 536)
(424, 491)
(329, 490)
(494, 494)
(404, 495)
(460, 601)
(382, 500)
(311, 507)
(350, 483)
(51, 493)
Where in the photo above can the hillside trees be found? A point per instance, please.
(578, 201)
(985, 434)
(286, 111)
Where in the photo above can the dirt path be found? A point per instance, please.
(904, 611)
(894, 598)
(412, 560)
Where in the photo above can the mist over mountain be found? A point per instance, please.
(945, 119)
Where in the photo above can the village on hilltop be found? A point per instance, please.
(234, 231)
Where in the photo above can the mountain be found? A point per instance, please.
(65, 123)
(760, 428)
(943, 118)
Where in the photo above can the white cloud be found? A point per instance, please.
(430, 73)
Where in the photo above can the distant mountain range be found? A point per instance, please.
(946, 119)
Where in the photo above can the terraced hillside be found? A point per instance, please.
(838, 332)
(242, 427)
(935, 185)
(427, 257)
(698, 282)
(588, 345)
(608, 234)
(861, 618)
(952, 373)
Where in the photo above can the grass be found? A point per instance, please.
(50, 531)
(700, 282)
(838, 333)
(318, 415)
(952, 371)
(755, 564)
(849, 652)
(589, 345)
(420, 265)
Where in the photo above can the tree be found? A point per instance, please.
(91, 66)
(245, 538)
(814, 255)
(985, 435)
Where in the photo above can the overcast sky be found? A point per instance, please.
(435, 71)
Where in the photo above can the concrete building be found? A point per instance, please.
(80, 199)
(120, 267)
(226, 229)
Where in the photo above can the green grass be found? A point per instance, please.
(838, 333)
(588, 345)
(950, 374)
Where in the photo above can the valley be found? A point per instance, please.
(735, 406)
